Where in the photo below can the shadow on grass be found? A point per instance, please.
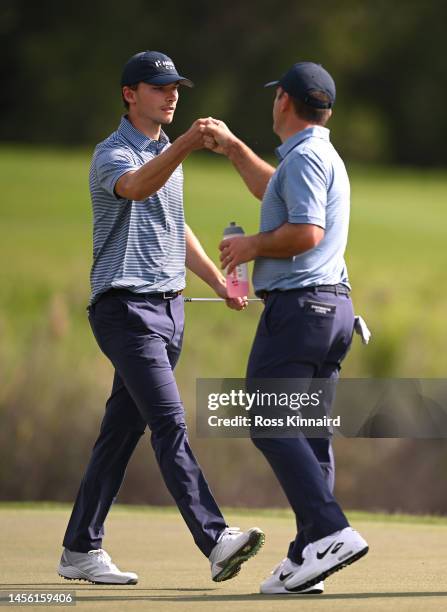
(54, 586)
(210, 598)
(259, 597)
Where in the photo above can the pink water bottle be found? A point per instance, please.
(237, 281)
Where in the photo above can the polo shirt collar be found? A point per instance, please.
(317, 131)
(136, 138)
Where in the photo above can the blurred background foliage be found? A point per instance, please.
(60, 68)
(61, 62)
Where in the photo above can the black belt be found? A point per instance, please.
(339, 289)
(165, 295)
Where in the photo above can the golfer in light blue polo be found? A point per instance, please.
(306, 328)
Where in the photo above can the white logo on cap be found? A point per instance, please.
(166, 64)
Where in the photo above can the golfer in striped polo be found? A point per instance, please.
(140, 248)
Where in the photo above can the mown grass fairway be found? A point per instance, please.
(404, 570)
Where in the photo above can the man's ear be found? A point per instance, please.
(128, 94)
(285, 101)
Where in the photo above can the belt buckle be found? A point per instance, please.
(169, 295)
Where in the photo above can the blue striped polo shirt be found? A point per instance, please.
(310, 185)
(137, 245)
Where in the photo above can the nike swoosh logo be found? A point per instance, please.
(321, 555)
(325, 552)
(337, 548)
(284, 576)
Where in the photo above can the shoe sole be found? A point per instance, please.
(84, 578)
(286, 592)
(310, 592)
(330, 571)
(233, 564)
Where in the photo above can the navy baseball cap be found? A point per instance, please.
(304, 78)
(152, 67)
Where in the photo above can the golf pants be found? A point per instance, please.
(303, 334)
(142, 337)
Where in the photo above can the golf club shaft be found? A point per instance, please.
(192, 299)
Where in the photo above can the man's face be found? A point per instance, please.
(156, 103)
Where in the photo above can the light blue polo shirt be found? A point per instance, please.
(310, 185)
(137, 245)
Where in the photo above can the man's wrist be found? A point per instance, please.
(256, 244)
(217, 282)
(234, 149)
(182, 146)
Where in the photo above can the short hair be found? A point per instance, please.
(125, 102)
(319, 116)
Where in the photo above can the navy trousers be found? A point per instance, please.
(142, 337)
(303, 334)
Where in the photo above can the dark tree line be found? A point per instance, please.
(61, 61)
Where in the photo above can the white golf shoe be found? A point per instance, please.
(326, 556)
(233, 548)
(274, 584)
(95, 566)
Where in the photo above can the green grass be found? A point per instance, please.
(279, 513)
(403, 570)
(396, 258)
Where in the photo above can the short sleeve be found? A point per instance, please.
(110, 165)
(304, 189)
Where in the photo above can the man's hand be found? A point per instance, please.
(199, 263)
(193, 138)
(217, 136)
(237, 303)
(237, 250)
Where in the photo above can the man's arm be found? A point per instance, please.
(142, 183)
(254, 171)
(287, 240)
(200, 264)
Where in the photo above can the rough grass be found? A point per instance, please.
(54, 380)
(396, 257)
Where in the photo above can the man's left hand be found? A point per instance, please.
(237, 250)
(237, 303)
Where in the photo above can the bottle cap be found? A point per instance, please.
(233, 229)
